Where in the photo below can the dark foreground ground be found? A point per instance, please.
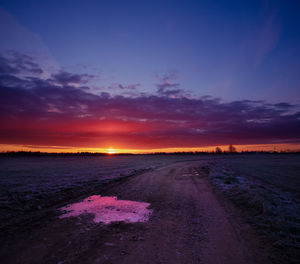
(191, 223)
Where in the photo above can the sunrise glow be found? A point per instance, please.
(111, 151)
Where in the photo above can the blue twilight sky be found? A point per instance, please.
(229, 49)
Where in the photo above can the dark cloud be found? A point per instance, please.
(125, 87)
(129, 87)
(66, 78)
(56, 111)
(168, 86)
(16, 63)
(283, 105)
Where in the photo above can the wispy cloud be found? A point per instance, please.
(267, 37)
(168, 84)
(17, 37)
(60, 111)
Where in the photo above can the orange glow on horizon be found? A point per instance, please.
(110, 150)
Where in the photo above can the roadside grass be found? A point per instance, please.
(274, 213)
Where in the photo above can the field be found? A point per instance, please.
(33, 183)
(263, 187)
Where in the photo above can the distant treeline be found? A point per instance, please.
(61, 154)
(87, 154)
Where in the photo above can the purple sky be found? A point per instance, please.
(149, 74)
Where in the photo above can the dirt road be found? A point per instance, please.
(189, 224)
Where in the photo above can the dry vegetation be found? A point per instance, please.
(266, 190)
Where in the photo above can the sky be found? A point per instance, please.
(143, 76)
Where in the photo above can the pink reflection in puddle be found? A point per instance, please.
(109, 209)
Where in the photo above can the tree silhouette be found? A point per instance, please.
(218, 150)
(231, 149)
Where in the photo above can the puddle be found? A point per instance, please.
(109, 209)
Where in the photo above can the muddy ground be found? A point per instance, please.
(190, 223)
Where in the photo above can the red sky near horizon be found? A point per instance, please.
(58, 112)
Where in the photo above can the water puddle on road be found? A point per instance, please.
(109, 209)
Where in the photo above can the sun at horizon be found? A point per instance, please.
(111, 151)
